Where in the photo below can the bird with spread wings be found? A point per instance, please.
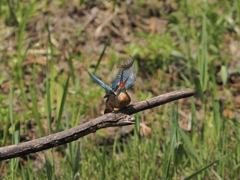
(117, 96)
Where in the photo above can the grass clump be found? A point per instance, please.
(48, 91)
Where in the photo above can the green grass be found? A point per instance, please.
(189, 55)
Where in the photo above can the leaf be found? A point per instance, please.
(62, 104)
(101, 55)
(224, 74)
(204, 64)
(204, 168)
(178, 54)
(189, 145)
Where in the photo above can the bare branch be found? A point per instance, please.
(120, 118)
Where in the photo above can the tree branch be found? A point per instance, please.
(119, 118)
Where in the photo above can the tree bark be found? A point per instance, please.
(119, 118)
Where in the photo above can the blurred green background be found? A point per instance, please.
(175, 44)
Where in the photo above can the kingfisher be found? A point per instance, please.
(117, 96)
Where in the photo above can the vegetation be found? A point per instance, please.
(47, 46)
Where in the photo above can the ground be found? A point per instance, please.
(175, 45)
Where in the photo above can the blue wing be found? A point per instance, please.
(107, 88)
(128, 71)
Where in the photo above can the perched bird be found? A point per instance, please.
(117, 96)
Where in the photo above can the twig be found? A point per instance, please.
(120, 118)
(106, 22)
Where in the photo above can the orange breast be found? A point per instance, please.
(124, 100)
